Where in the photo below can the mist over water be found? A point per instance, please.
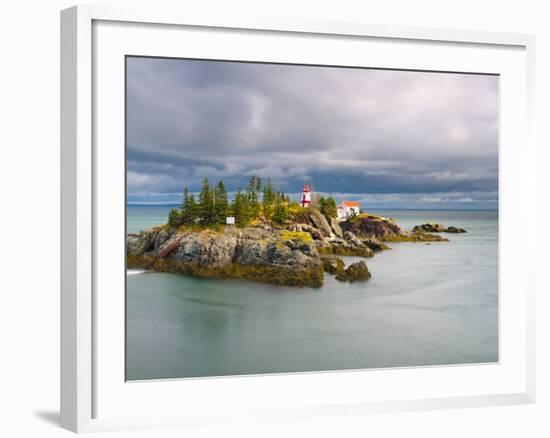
(426, 304)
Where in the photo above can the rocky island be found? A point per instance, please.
(275, 240)
(437, 228)
(295, 253)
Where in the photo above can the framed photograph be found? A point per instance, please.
(267, 218)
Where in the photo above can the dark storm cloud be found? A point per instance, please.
(349, 131)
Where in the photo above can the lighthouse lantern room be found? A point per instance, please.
(306, 196)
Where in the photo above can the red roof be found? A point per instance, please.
(351, 204)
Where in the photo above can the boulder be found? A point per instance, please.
(375, 244)
(332, 264)
(436, 228)
(429, 228)
(455, 230)
(357, 271)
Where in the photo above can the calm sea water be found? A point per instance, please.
(426, 304)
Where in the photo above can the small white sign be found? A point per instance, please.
(230, 220)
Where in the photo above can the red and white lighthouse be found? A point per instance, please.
(306, 196)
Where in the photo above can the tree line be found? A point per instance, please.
(212, 205)
(258, 201)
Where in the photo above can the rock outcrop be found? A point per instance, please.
(314, 219)
(332, 264)
(350, 245)
(371, 226)
(455, 230)
(336, 229)
(437, 228)
(375, 244)
(251, 253)
(415, 237)
(329, 237)
(357, 271)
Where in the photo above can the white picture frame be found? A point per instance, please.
(85, 374)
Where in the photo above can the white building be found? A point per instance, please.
(347, 209)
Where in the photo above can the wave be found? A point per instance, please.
(135, 271)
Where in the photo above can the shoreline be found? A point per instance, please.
(300, 252)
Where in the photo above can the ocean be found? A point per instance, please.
(426, 304)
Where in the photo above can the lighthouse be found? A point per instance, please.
(306, 196)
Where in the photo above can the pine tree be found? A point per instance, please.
(268, 200)
(185, 199)
(174, 217)
(280, 213)
(185, 207)
(189, 208)
(327, 206)
(258, 184)
(331, 209)
(193, 210)
(253, 189)
(207, 212)
(221, 205)
(240, 209)
(322, 204)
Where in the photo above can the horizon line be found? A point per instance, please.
(173, 204)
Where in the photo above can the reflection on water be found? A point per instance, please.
(425, 305)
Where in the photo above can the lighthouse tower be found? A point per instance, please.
(306, 196)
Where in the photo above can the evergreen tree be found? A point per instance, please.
(268, 200)
(221, 206)
(327, 206)
(207, 212)
(193, 210)
(189, 209)
(212, 206)
(240, 209)
(185, 199)
(174, 217)
(331, 209)
(280, 213)
(185, 216)
(252, 191)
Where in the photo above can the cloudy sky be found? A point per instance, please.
(391, 139)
